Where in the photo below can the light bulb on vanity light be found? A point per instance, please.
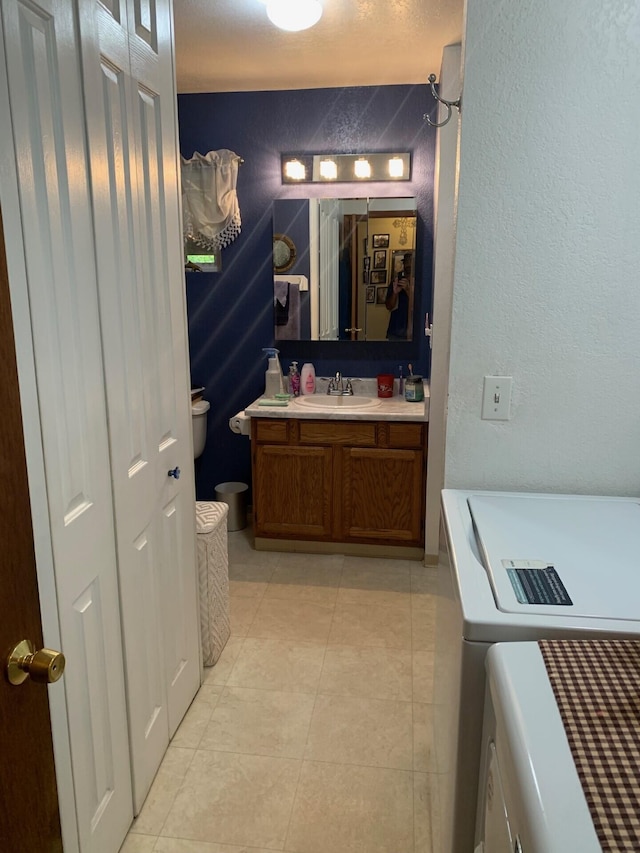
(295, 170)
(396, 167)
(362, 168)
(328, 170)
(294, 15)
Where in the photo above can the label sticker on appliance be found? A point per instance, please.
(536, 582)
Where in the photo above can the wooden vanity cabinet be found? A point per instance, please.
(339, 481)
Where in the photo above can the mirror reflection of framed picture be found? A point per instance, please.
(381, 295)
(378, 277)
(371, 294)
(380, 241)
(380, 259)
(402, 263)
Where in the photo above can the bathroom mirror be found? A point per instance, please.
(352, 277)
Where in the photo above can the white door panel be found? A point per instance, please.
(146, 373)
(48, 131)
(151, 52)
(125, 323)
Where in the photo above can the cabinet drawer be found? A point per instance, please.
(271, 431)
(338, 432)
(406, 435)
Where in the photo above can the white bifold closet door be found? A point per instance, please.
(131, 120)
(44, 180)
(88, 167)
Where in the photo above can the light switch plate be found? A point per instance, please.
(496, 398)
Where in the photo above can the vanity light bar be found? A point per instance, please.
(341, 168)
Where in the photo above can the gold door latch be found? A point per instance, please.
(44, 666)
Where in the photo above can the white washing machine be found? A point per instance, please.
(530, 797)
(517, 567)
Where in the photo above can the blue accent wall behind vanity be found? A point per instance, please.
(231, 312)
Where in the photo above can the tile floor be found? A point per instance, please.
(312, 732)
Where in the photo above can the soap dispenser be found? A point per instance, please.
(294, 379)
(273, 378)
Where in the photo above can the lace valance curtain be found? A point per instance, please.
(210, 210)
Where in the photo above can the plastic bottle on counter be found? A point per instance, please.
(273, 378)
(308, 379)
(294, 379)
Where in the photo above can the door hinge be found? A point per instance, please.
(428, 329)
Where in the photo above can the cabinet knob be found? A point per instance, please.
(174, 472)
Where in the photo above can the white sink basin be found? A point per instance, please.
(324, 401)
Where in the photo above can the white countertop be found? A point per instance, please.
(394, 408)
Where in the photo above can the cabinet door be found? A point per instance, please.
(131, 126)
(381, 495)
(292, 491)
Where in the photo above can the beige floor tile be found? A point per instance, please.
(247, 589)
(342, 808)
(327, 566)
(303, 592)
(426, 825)
(139, 844)
(367, 574)
(424, 579)
(260, 722)
(292, 620)
(381, 564)
(250, 569)
(380, 598)
(423, 676)
(371, 625)
(243, 611)
(192, 727)
(422, 737)
(235, 799)
(179, 845)
(377, 673)
(423, 623)
(163, 791)
(278, 665)
(219, 673)
(355, 730)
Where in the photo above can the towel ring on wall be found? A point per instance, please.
(448, 104)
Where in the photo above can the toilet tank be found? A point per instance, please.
(199, 422)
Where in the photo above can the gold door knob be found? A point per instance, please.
(44, 666)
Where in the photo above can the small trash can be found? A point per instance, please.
(235, 496)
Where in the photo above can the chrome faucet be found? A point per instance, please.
(337, 386)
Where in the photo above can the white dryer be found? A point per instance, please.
(530, 797)
(517, 567)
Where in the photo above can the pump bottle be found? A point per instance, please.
(273, 378)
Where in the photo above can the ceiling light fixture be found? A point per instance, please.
(294, 15)
(341, 168)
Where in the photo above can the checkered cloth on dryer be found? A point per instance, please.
(596, 684)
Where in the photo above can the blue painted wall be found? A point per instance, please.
(231, 313)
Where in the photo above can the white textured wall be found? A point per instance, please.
(444, 243)
(547, 268)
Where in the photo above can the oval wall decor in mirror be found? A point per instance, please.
(284, 253)
(359, 258)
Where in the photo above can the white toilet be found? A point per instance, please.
(199, 422)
